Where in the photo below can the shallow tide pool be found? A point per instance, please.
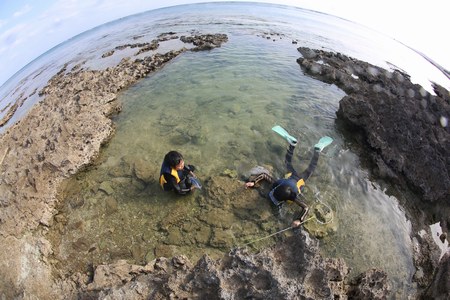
(218, 108)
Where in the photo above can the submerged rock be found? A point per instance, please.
(106, 187)
(323, 222)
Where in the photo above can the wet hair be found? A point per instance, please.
(283, 192)
(173, 158)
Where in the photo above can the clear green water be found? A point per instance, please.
(217, 108)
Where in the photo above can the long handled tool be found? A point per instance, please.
(275, 233)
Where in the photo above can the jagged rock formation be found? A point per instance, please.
(405, 132)
(292, 269)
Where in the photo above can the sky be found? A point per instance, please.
(28, 28)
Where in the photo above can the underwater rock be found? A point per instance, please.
(149, 256)
(221, 239)
(230, 173)
(109, 53)
(180, 139)
(81, 244)
(76, 201)
(111, 205)
(177, 217)
(175, 237)
(145, 170)
(11, 111)
(203, 235)
(222, 190)
(164, 251)
(322, 223)
(371, 284)
(255, 171)
(106, 187)
(218, 218)
(122, 169)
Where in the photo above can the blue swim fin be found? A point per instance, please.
(281, 131)
(195, 182)
(323, 142)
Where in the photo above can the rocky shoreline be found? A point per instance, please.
(58, 139)
(404, 132)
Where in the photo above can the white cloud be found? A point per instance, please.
(23, 11)
(12, 36)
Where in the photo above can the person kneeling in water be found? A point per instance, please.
(175, 175)
(291, 187)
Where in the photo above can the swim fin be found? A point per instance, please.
(195, 182)
(323, 142)
(281, 131)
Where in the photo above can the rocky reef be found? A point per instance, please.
(292, 269)
(397, 123)
(404, 131)
(404, 126)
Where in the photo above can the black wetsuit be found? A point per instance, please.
(294, 180)
(175, 180)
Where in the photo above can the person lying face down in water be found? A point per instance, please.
(175, 175)
(291, 188)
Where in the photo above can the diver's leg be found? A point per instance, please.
(288, 160)
(323, 142)
(312, 165)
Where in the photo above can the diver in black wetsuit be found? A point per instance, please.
(175, 176)
(290, 188)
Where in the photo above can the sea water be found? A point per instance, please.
(217, 108)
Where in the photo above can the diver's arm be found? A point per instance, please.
(189, 169)
(300, 217)
(260, 177)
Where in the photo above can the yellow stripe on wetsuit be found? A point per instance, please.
(300, 183)
(173, 172)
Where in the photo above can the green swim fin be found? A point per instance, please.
(323, 142)
(281, 131)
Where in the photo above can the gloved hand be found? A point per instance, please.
(191, 168)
